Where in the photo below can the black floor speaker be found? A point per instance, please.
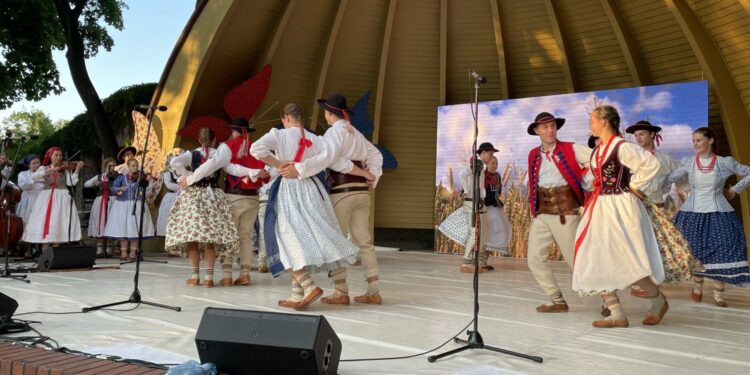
(8, 307)
(66, 257)
(251, 342)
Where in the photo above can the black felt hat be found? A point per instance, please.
(121, 153)
(642, 125)
(335, 104)
(486, 146)
(241, 124)
(542, 118)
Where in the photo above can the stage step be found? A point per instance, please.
(18, 359)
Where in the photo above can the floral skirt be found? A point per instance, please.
(202, 215)
(679, 262)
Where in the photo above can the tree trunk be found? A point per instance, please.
(84, 86)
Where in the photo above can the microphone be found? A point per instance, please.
(480, 79)
(152, 107)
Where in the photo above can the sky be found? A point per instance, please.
(151, 29)
(677, 108)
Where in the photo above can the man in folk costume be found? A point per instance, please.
(350, 194)
(485, 151)
(647, 136)
(555, 195)
(245, 175)
(244, 196)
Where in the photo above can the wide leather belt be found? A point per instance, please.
(559, 200)
(349, 189)
(337, 179)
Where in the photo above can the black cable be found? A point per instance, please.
(73, 312)
(412, 355)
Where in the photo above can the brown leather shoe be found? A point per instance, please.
(652, 320)
(242, 280)
(555, 308)
(208, 283)
(611, 323)
(640, 293)
(720, 303)
(374, 299)
(263, 269)
(486, 268)
(287, 303)
(697, 297)
(605, 312)
(193, 282)
(226, 282)
(309, 299)
(336, 300)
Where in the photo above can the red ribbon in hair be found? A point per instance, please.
(303, 144)
(657, 138)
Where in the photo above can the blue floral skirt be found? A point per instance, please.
(718, 241)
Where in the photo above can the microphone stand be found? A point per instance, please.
(135, 297)
(71, 191)
(475, 341)
(7, 272)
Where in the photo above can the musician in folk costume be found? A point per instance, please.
(100, 209)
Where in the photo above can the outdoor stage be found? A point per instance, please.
(426, 301)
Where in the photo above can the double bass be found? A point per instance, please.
(9, 198)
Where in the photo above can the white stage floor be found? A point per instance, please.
(426, 301)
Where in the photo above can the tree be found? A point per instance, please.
(31, 29)
(30, 122)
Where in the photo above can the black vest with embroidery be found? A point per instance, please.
(615, 177)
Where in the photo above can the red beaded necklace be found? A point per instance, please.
(707, 168)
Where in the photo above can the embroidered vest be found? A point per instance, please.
(615, 177)
(565, 159)
(245, 161)
(196, 162)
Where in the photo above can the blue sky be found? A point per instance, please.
(677, 108)
(151, 28)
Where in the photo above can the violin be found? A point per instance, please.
(66, 166)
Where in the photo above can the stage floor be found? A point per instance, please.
(426, 301)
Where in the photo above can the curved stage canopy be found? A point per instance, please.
(414, 55)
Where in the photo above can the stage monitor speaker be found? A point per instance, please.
(8, 307)
(66, 257)
(252, 342)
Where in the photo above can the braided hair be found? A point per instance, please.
(294, 110)
(610, 115)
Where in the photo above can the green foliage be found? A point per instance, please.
(31, 29)
(79, 134)
(30, 122)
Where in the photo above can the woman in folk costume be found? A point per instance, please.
(31, 189)
(102, 204)
(707, 220)
(167, 200)
(615, 245)
(301, 230)
(53, 217)
(498, 227)
(122, 224)
(457, 226)
(201, 217)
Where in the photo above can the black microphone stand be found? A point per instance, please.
(7, 272)
(475, 341)
(71, 191)
(135, 297)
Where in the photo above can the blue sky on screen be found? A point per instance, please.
(139, 55)
(678, 108)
